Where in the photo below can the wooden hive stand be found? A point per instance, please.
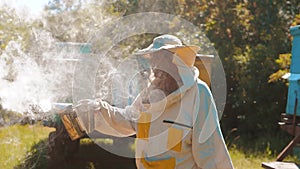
(291, 124)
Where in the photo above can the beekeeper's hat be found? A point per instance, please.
(173, 44)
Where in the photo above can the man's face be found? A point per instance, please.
(164, 71)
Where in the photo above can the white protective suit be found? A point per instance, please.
(181, 131)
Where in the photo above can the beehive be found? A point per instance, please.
(204, 63)
(294, 79)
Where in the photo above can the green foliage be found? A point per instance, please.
(284, 62)
(36, 157)
(9, 117)
(248, 36)
(18, 142)
(242, 159)
(58, 6)
(296, 20)
(80, 22)
(32, 151)
(13, 28)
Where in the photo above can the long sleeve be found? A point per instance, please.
(114, 121)
(209, 149)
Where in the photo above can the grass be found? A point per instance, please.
(244, 160)
(17, 140)
(25, 147)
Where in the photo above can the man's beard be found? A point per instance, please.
(159, 88)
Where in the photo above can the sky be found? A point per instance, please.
(34, 7)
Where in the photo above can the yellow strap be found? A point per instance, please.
(161, 164)
(144, 125)
(174, 139)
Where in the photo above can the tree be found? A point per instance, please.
(284, 60)
(248, 35)
(13, 28)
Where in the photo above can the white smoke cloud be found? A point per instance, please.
(39, 76)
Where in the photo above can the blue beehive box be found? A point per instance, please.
(294, 79)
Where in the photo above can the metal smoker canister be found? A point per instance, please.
(69, 120)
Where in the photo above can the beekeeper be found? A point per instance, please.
(175, 118)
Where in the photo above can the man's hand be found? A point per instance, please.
(87, 105)
(85, 110)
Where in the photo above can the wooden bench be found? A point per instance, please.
(279, 165)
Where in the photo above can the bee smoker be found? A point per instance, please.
(67, 117)
(64, 141)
